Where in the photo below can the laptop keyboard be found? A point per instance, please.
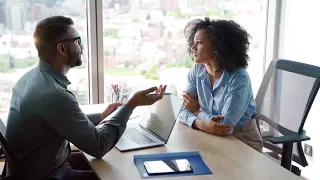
(137, 136)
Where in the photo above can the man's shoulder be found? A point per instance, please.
(34, 77)
(40, 86)
(57, 94)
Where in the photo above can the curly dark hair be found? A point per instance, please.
(47, 32)
(230, 41)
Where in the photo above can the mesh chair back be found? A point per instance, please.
(285, 98)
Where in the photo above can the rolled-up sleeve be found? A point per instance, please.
(64, 115)
(203, 115)
(186, 116)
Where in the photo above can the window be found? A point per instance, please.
(300, 42)
(17, 51)
(144, 44)
(300, 39)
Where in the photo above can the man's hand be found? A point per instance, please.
(141, 98)
(191, 104)
(211, 126)
(111, 107)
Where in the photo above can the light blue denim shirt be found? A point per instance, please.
(230, 96)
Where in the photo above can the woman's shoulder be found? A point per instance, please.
(240, 71)
(239, 74)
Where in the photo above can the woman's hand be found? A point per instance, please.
(191, 104)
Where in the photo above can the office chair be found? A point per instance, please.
(9, 157)
(283, 101)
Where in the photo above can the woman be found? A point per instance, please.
(219, 98)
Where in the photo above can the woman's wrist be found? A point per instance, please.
(198, 124)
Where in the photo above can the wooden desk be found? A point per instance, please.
(227, 157)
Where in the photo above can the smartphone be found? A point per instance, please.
(168, 166)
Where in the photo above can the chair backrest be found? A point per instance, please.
(284, 100)
(10, 159)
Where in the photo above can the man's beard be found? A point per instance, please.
(74, 59)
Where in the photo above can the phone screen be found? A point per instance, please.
(168, 166)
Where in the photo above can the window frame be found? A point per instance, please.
(273, 44)
(95, 46)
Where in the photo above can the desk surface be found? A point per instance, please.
(227, 157)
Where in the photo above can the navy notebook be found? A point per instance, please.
(194, 158)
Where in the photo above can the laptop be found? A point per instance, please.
(155, 126)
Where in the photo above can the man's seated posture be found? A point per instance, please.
(44, 116)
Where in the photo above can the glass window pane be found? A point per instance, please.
(300, 42)
(144, 43)
(18, 54)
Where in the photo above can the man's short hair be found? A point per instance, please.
(47, 33)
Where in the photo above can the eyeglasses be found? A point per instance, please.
(69, 40)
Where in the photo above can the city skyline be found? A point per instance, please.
(141, 40)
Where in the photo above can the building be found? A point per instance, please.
(166, 5)
(16, 14)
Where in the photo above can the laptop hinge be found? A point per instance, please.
(154, 134)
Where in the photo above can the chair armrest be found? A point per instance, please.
(288, 139)
(1, 153)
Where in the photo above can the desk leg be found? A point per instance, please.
(287, 155)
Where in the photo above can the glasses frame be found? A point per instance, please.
(69, 40)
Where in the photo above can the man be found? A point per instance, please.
(44, 116)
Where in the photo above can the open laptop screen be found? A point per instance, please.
(161, 116)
